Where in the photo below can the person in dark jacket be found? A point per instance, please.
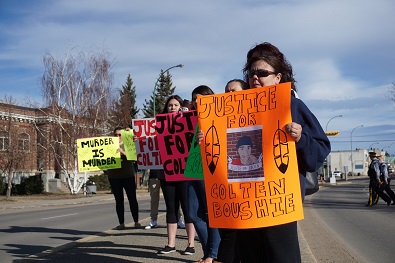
(375, 180)
(120, 179)
(266, 66)
(385, 180)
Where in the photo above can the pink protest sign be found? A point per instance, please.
(175, 133)
(147, 149)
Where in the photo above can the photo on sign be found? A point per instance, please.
(244, 146)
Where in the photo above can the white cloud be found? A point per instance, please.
(342, 51)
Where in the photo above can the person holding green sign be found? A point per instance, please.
(120, 179)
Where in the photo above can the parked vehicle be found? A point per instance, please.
(337, 174)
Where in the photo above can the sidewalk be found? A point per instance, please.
(129, 245)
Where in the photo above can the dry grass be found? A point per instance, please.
(44, 196)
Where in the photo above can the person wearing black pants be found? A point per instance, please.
(385, 180)
(267, 66)
(174, 194)
(374, 185)
(120, 179)
(228, 251)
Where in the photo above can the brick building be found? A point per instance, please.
(24, 136)
(18, 140)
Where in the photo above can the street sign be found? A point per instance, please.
(332, 133)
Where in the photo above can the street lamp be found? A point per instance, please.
(389, 146)
(326, 128)
(352, 164)
(156, 83)
(327, 158)
(370, 146)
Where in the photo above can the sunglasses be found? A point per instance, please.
(260, 73)
(118, 134)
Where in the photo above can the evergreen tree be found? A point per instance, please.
(124, 110)
(163, 90)
(129, 92)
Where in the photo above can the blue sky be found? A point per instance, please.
(342, 51)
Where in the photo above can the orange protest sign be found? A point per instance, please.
(250, 165)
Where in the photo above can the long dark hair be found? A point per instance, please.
(176, 97)
(272, 56)
(116, 129)
(244, 85)
(202, 90)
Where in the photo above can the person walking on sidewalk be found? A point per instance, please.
(385, 184)
(374, 183)
(120, 179)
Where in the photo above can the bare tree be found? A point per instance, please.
(77, 91)
(391, 91)
(14, 142)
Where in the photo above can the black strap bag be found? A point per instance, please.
(311, 183)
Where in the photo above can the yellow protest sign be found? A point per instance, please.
(98, 153)
(250, 165)
(129, 145)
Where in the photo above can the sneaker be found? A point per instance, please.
(167, 250)
(120, 227)
(189, 251)
(137, 225)
(180, 224)
(152, 224)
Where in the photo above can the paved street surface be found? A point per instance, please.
(129, 245)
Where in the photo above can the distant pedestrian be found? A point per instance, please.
(120, 179)
(374, 183)
(385, 185)
(322, 178)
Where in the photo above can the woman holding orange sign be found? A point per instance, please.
(267, 66)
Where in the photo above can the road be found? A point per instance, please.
(339, 228)
(33, 230)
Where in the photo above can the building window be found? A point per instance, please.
(4, 141)
(24, 142)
